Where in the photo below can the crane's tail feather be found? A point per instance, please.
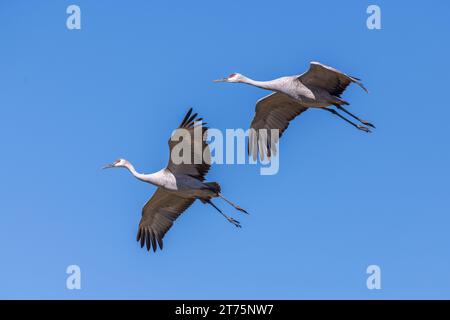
(213, 186)
(359, 83)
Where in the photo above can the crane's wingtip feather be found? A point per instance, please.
(188, 114)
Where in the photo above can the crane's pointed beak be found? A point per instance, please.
(221, 80)
(108, 166)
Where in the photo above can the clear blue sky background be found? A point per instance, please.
(72, 101)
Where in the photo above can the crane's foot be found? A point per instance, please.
(241, 210)
(234, 222)
(363, 128)
(367, 123)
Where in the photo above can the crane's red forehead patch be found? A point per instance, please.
(232, 75)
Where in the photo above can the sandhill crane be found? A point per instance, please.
(321, 86)
(179, 185)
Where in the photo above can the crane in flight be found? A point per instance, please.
(179, 185)
(319, 87)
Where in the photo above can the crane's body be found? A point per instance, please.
(320, 87)
(310, 96)
(182, 185)
(178, 186)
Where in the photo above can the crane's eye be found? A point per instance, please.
(232, 75)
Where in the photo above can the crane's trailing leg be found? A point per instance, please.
(367, 123)
(362, 128)
(232, 204)
(230, 219)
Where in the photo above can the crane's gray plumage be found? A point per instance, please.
(194, 168)
(158, 215)
(319, 87)
(274, 111)
(179, 185)
(330, 79)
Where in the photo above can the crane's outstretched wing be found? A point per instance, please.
(274, 111)
(158, 215)
(328, 78)
(190, 133)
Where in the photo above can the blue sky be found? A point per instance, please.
(73, 100)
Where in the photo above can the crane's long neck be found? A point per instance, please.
(149, 178)
(272, 85)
